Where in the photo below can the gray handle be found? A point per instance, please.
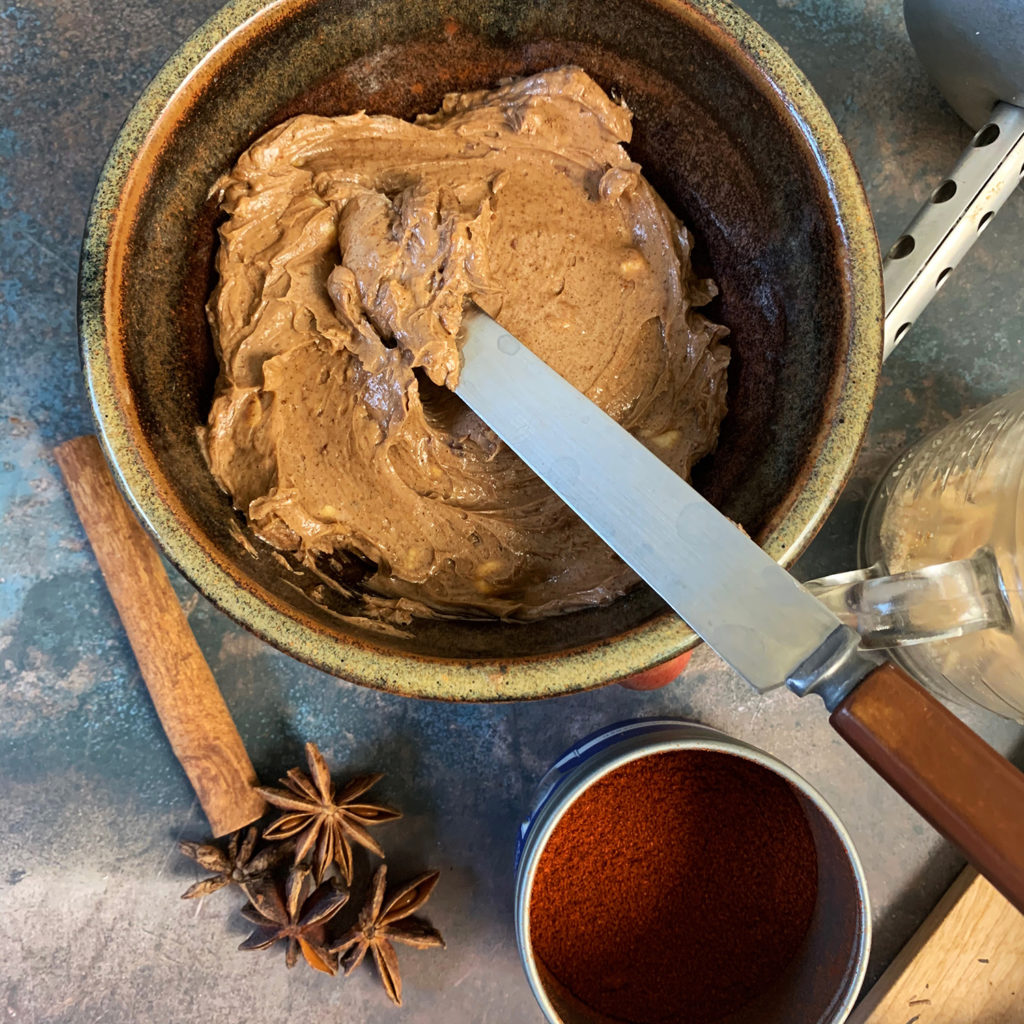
(959, 209)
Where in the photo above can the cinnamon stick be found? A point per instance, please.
(185, 694)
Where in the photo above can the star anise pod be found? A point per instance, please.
(236, 864)
(323, 819)
(379, 924)
(298, 919)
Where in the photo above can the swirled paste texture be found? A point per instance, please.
(351, 247)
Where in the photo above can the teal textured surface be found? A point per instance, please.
(93, 928)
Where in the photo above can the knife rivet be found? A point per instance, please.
(508, 344)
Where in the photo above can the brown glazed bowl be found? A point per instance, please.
(726, 128)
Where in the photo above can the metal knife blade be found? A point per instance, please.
(743, 604)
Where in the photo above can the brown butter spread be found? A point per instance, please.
(350, 249)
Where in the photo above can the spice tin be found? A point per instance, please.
(822, 983)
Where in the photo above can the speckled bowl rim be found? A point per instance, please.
(565, 672)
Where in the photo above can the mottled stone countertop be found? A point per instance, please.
(91, 927)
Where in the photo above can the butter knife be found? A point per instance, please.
(742, 603)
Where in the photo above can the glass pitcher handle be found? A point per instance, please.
(933, 603)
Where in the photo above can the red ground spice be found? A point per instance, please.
(677, 888)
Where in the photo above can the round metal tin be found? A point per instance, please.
(829, 971)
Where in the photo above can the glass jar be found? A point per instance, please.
(943, 535)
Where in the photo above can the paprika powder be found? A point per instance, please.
(676, 888)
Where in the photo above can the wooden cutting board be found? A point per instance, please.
(964, 965)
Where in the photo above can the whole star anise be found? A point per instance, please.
(233, 865)
(298, 919)
(323, 819)
(379, 924)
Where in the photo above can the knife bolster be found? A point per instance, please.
(835, 669)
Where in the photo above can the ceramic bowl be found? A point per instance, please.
(726, 128)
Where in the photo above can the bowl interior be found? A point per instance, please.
(716, 133)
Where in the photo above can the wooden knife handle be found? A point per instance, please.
(971, 794)
(191, 709)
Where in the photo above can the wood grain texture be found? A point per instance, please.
(970, 793)
(964, 964)
(191, 709)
